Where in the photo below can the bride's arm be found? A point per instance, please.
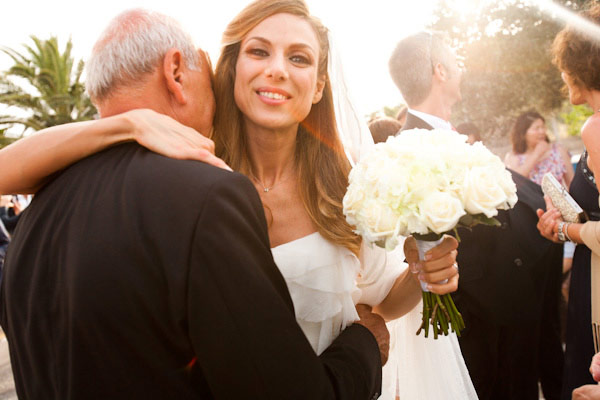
(403, 297)
(27, 163)
(406, 291)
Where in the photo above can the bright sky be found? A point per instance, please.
(367, 31)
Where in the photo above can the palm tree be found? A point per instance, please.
(44, 83)
(5, 140)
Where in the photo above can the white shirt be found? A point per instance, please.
(432, 120)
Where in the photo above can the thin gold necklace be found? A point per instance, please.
(266, 189)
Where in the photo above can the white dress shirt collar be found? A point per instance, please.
(435, 122)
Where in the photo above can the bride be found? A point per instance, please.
(275, 122)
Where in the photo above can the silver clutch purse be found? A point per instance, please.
(568, 207)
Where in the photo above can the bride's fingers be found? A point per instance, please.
(448, 244)
(185, 144)
(200, 141)
(166, 136)
(449, 271)
(209, 158)
(444, 288)
(410, 251)
(444, 261)
(186, 138)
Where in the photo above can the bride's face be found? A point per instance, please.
(276, 80)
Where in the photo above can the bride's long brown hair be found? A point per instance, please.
(320, 160)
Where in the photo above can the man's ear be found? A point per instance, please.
(174, 71)
(440, 72)
(319, 91)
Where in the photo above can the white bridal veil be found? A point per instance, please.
(351, 125)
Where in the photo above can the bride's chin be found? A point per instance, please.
(276, 123)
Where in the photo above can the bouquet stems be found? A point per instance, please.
(439, 312)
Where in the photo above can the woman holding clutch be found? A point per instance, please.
(577, 56)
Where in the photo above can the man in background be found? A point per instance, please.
(503, 271)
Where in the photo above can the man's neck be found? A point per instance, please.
(438, 102)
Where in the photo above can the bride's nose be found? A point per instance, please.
(277, 68)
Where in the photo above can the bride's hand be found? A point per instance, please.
(164, 135)
(440, 264)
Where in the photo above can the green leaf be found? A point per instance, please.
(469, 221)
(52, 93)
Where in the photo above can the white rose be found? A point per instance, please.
(441, 211)
(353, 199)
(378, 217)
(415, 223)
(482, 192)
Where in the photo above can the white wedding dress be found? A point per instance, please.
(326, 281)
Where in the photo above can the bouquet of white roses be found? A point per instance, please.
(427, 183)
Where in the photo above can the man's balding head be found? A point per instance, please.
(132, 46)
(144, 59)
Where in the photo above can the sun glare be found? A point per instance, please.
(465, 8)
(567, 16)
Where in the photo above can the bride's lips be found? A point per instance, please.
(272, 96)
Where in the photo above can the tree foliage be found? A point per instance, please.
(392, 112)
(505, 48)
(574, 117)
(45, 85)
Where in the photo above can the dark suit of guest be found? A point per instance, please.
(135, 276)
(505, 274)
(4, 241)
(9, 219)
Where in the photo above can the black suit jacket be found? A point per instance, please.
(504, 270)
(4, 241)
(135, 276)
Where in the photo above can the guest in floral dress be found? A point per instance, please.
(532, 153)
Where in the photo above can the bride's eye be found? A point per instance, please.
(258, 52)
(301, 59)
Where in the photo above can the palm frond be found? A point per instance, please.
(25, 122)
(60, 94)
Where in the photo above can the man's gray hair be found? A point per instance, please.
(411, 64)
(133, 45)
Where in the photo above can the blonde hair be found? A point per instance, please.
(321, 163)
